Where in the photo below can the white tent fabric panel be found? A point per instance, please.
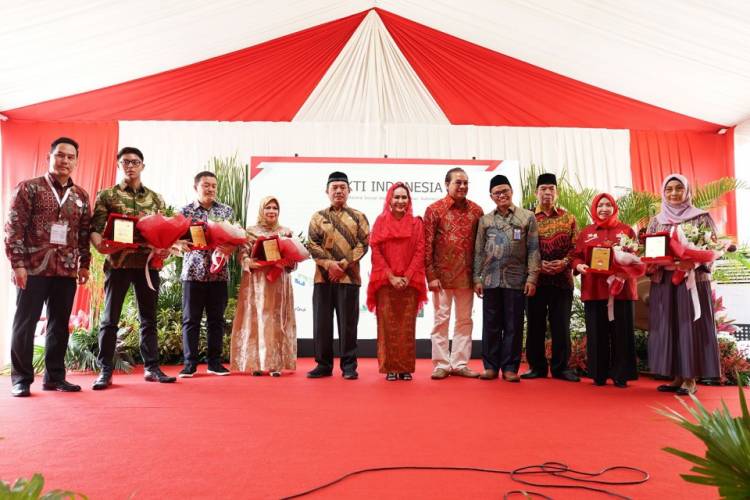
(371, 82)
(689, 57)
(175, 151)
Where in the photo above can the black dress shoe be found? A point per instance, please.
(319, 372)
(668, 388)
(63, 386)
(21, 390)
(103, 381)
(391, 377)
(533, 374)
(405, 376)
(600, 382)
(622, 384)
(350, 375)
(156, 375)
(684, 392)
(567, 376)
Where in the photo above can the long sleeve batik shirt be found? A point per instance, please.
(450, 229)
(336, 235)
(33, 210)
(506, 251)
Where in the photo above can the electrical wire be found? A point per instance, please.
(554, 469)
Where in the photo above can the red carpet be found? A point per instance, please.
(249, 437)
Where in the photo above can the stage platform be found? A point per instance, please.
(261, 437)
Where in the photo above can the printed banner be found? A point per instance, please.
(300, 186)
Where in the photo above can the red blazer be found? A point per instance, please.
(593, 285)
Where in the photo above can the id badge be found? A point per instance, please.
(328, 243)
(58, 234)
(516, 234)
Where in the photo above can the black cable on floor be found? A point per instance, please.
(555, 469)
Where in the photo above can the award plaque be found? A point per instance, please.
(123, 230)
(120, 231)
(656, 249)
(271, 250)
(198, 236)
(601, 257)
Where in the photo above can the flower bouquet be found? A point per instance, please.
(626, 264)
(696, 244)
(160, 232)
(223, 232)
(278, 252)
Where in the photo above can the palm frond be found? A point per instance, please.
(726, 463)
(636, 207)
(709, 195)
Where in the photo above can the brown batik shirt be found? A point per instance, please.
(336, 235)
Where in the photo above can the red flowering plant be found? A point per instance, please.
(723, 324)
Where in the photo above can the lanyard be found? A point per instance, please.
(62, 201)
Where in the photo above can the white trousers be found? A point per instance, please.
(442, 355)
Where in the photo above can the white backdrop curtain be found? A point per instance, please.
(175, 151)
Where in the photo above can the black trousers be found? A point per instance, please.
(58, 293)
(344, 300)
(553, 304)
(197, 296)
(502, 328)
(610, 345)
(116, 285)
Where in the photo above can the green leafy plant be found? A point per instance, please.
(31, 489)
(574, 198)
(233, 180)
(637, 207)
(709, 195)
(726, 463)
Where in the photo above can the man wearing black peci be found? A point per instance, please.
(338, 238)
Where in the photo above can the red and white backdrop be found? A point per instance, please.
(368, 85)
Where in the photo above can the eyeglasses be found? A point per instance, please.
(135, 163)
(498, 194)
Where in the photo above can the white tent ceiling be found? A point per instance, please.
(688, 56)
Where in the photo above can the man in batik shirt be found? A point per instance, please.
(202, 289)
(450, 229)
(553, 300)
(506, 267)
(47, 242)
(123, 268)
(338, 239)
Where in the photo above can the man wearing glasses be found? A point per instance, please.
(506, 267)
(450, 229)
(125, 267)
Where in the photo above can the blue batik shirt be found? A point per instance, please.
(197, 263)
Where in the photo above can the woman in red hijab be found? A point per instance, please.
(397, 287)
(610, 344)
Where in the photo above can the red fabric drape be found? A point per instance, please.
(700, 156)
(265, 82)
(25, 148)
(477, 86)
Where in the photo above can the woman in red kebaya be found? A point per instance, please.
(397, 287)
(610, 340)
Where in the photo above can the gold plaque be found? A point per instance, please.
(123, 231)
(271, 250)
(656, 246)
(198, 235)
(600, 258)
